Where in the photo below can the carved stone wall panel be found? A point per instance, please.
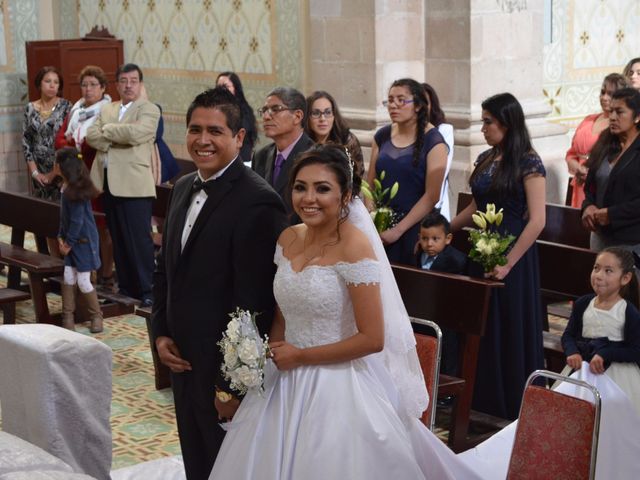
(591, 38)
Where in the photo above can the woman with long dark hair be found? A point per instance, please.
(413, 153)
(325, 125)
(510, 175)
(232, 82)
(612, 188)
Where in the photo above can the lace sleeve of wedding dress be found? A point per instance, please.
(399, 353)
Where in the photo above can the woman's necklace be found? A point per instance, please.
(319, 252)
(46, 109)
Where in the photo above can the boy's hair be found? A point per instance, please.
(79, 185)
(436, 219)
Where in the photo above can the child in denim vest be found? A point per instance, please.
(78, 238)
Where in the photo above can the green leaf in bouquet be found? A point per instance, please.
(382, 175)
(377, 184)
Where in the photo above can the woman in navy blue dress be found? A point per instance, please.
(412, 152)
(511, 176)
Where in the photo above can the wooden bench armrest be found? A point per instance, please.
(449, 386)
(30, 261)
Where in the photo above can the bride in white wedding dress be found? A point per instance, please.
(344, 391)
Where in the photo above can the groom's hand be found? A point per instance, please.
(170, 355)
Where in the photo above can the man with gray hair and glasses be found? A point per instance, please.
(283, 115)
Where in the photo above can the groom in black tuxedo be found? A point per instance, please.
(217, 254)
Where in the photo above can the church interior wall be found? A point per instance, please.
(353, 49)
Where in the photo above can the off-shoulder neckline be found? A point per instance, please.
(280, 251)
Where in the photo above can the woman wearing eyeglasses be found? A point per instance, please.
(93, 84)
(412, 152)
(325, 125)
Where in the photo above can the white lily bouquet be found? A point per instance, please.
(489, 246)
(245, 353)
(383, 216)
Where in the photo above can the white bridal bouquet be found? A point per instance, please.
(489, 246)
(245, 353)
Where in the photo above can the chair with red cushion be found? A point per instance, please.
(557, 435)
(429, 351)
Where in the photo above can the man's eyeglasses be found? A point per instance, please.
(272, 110)
(128, 81)
(398, 102)
(327, 113)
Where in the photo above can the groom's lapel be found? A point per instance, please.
(223, 186)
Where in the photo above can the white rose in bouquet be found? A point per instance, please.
(248, 351)
(230, 355)
(233, 330)
(248, 376)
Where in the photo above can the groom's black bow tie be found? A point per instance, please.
(200, 185)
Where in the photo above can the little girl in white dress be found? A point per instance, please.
(604, 328)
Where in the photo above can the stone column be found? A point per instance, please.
(357, 48)
(477, 48)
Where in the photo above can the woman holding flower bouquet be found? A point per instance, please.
(413, 153)
(344, 391)
(510, 176)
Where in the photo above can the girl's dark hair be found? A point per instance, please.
(608, 145)
(336, 159)
(79, 186)
(247, 111)
(42, 72)
(421, 105)
(436, 115)
(516, 144)
(630, 291)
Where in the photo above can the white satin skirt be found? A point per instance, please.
(329, 422)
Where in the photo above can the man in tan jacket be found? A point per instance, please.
(123, 135)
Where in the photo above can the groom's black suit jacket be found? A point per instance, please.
(227, 262)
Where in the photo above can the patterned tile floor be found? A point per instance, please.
(142, 418)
